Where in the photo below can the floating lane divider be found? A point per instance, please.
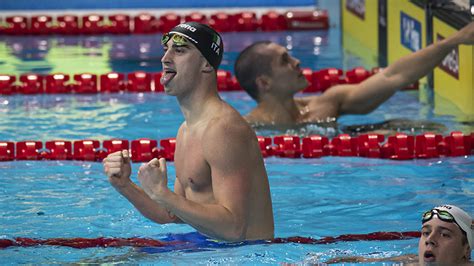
(397, 147)
(143, 23)
(140, 81)
(147, 242)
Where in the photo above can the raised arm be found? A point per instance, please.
(228, 151)
(369, 94)
(118, 168)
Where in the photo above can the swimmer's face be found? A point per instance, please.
(182, 64)
(286, 73)
(441, 243)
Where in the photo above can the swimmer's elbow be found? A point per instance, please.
(236, 234)
(237, 231)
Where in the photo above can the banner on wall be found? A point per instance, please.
(450, 63)
(356, 7)
(410, 32)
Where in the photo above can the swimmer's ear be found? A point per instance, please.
(467, 252)
(207, 67)
(263, 83)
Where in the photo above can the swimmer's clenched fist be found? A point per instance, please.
(118, 168)
(154, 178)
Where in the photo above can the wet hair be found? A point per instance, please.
(250, 64)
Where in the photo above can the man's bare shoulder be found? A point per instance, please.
(257, 117)
(228, 121)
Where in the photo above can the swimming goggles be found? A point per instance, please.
(176, 38)
(442, 215)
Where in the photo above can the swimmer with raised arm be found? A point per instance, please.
(447, 238)
(221, 187)
(272, 77)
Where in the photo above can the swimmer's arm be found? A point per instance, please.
(148, 207)
(231, 160)
(369, 94)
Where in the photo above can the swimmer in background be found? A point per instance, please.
(447, 238)
(272, 77)
(221, 187)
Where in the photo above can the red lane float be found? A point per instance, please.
(168, 21)
(222, 22)
(85, 83)
(398, 147)
(7, 151)
(140, 81)
(369, 145)
(273, 21)
(56, 83)
(143, 150)
(28, 150)
(93, 24)
(168, 148)
(265, 144)
(119, 24)
(148, 242)
(86, 150)
(286, 146)
(31, 84)
(58, 150)
(67, 25)
(146, 23)
(112, 82)
(115, 145)
(7, 86)
(315, 146)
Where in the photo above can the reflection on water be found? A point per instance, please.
(128, 53)
(72, 117)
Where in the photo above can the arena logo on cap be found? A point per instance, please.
(216, 40)
(188, 27)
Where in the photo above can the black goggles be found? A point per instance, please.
(442, 215)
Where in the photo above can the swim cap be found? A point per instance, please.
(205, 38)
(463, 219)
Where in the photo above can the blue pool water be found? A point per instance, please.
(329, 196)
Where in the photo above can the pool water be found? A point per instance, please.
(329, 196)
(311, 197)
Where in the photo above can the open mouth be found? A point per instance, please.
(428, 256)
(167, 76)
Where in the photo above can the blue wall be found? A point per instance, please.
(130, 4)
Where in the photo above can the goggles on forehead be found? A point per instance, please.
(176, 38)
(442, 215)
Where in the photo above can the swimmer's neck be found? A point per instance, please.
(198, 104)
(273, 110)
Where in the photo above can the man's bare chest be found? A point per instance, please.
(192, 170)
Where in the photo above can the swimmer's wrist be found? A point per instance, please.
(126, 187)
(160, 196)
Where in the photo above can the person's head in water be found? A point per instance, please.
(267, 68)
(446, 236)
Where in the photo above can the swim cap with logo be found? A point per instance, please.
(205, 38)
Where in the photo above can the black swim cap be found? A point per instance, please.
(205, 38)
